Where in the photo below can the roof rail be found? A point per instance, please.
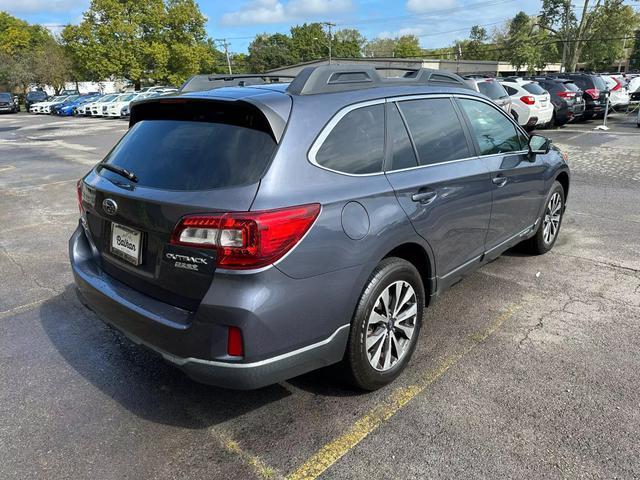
(342, 78)
(263, 76)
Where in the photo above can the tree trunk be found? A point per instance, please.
(136, 85)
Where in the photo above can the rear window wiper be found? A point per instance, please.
(120, 171)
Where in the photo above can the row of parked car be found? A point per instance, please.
(543, 101)
(94, 104)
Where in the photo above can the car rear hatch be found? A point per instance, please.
(188, 157)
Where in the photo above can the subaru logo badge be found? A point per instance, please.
(109, 206)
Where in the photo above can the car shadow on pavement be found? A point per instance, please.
(138, 379)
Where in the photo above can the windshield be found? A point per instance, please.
(192, 155)
(36, 96)
(126, 98)
(492, 89)
(107, 98)
(5, 97)
(534, 88)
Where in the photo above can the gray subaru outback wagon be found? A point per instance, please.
(252, 234)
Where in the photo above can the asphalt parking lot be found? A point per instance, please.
(526, 369)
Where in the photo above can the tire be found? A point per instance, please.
(544, 239)
(370, 321)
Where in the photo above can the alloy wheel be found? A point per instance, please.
(552, 216)
(391, 325)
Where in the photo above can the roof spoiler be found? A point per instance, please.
(341, 78)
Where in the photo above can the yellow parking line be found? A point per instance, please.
(337, 448)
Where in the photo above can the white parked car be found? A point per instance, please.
(530, 103)
(618, 94)
(45, 107)
(120, 106)
(95, 109)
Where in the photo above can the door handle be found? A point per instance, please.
(425, 197)
(500, 180)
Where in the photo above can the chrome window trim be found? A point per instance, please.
(328, 128)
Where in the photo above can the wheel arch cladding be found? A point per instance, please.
(418, 256)
(563, 178)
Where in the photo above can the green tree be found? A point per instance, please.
(380, 47)
(528, 46)
(575, 28)
(347, 43)
(30, 55)
(607, 46)
(309, 41)
(407, 46)
(634, 58)
(270, 51)
(141, 40)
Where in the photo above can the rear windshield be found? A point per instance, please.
(492, 89)
(534, 88)
(571, 86)
(192, 155)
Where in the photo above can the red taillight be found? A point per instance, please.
(79, 195)
(249, 239)
(593, 93)
(234, 342)
(528, 99)
(566, 94)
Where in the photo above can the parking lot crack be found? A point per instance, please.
(31, 277)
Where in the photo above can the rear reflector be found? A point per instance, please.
(234, 342)
(528, 99)
(247, 240)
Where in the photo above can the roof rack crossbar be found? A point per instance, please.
(340, 78)
(223, 76)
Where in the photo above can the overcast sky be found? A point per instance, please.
(436, 22)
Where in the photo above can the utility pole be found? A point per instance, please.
(225, 45)
(567, 6)
(329, 25)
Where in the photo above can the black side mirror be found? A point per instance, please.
(539, 144)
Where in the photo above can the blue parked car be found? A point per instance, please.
(69, 107)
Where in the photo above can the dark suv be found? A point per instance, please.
(594, 92)
(252, 234)
(34, 96)
(566, 97)
(9, 103)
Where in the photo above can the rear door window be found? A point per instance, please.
(492, 130)
(401, 152)
(355, 145)
(192, 155)
(436, 130)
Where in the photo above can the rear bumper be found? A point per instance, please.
(281, 334)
